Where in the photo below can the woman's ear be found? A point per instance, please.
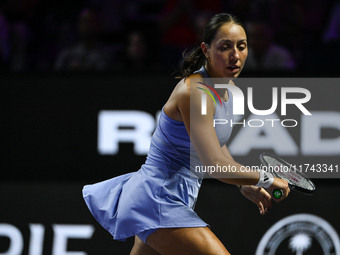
(205, 49)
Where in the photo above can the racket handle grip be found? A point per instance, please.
(277, 193)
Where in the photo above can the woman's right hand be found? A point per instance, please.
(281, 185)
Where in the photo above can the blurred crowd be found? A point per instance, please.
(151, 35)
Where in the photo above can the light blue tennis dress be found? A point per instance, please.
(163, 193)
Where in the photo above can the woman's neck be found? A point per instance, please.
(210, 71)
(223, 93)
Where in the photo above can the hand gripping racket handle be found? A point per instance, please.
(277, 193)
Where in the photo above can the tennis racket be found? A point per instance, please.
(281, 169)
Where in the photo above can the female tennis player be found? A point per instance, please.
(156, 203)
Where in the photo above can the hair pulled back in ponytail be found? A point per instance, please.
(196, 58)
(192, 61)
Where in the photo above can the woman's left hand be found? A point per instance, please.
(259, 196)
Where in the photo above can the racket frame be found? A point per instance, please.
(290, 166)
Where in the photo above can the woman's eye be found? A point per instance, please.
(242, 47)
(224, 48)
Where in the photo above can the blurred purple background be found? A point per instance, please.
(150, 35)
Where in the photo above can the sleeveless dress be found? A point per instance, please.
(163, 193)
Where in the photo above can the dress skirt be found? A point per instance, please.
(151, 198)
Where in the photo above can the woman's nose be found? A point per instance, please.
(234, 54)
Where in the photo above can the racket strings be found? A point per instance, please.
(288, 173)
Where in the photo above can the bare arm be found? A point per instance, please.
(226, 152)
(204, 139)
(184, 105)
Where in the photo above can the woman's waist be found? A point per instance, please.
(168, 164)
(157, 156)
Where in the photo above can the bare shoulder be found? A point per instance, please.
(180, 96)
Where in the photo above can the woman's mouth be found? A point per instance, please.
(233, 69)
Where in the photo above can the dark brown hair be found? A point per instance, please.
(194, 60)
